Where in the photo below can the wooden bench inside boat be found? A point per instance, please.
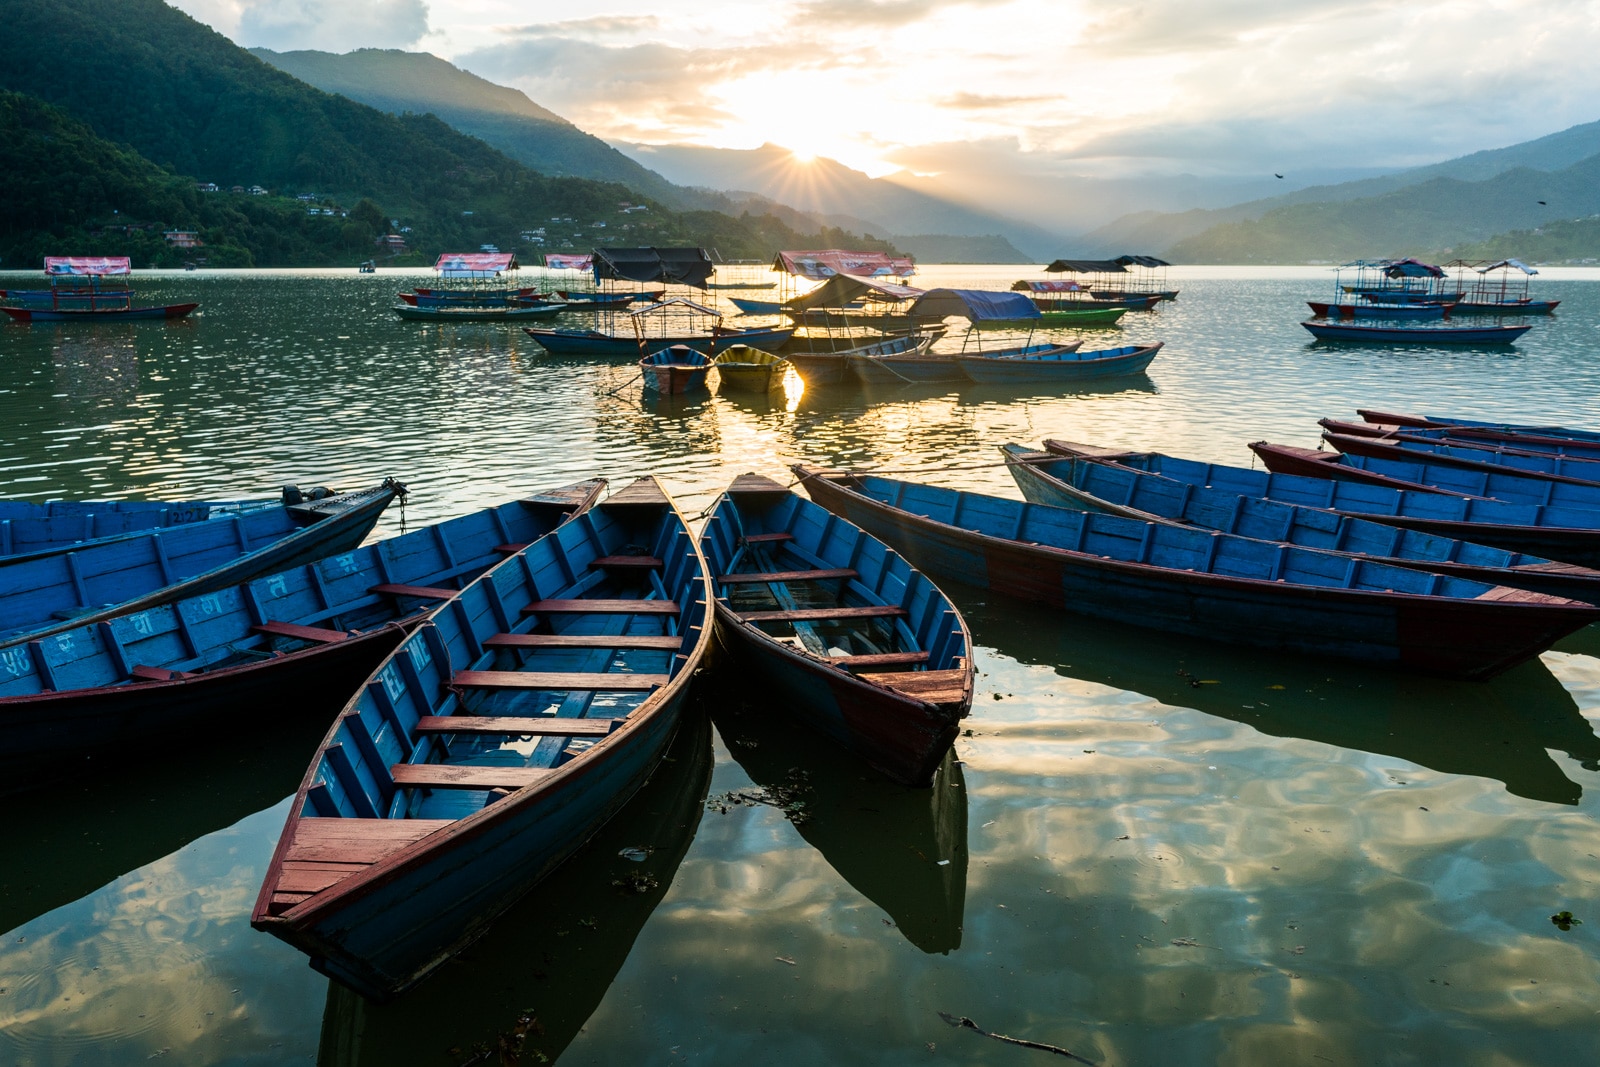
(880, 659)
(624, 563)
(868, 611)
(607, 681)
(665, 643)
(601, 607)
(766, 538)
(788, 576)
(300, 633)
(934, 687)
(537, 726)
(156, 674)
(328, 850)
(421, 592)
(450, 776)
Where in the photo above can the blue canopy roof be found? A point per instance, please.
(978, 305)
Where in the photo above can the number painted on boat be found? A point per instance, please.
(64, 643)
(210, 605)
(277, 585)
(16, 662)
(347, 563)
(141, 624)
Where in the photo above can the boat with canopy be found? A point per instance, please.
(80, 289)
(1498, 288)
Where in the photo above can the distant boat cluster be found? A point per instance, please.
(1406, 301)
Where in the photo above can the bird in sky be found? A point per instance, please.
(1541, 203)
(1277, 175)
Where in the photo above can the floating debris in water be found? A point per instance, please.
(636, 882)
(635, 854)
(787, 797)
(1565, 921)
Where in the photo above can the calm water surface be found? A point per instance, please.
(1149, 850)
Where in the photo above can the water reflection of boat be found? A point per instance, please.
(1498, 730)
(64, 843)
(904, 849)
(484, 999)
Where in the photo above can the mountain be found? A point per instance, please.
(837, 193)
(1570, 241)
(1441, 214)
(1163, 230)
(400, 82)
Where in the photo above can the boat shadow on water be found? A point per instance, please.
(521, 993)
(903, 848)
(1497, 730)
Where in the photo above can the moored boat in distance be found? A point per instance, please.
(1093, 480)
(675, 369)
(46, 595)
(1379, 310)
(1377, 333)
(77, 293)
(451, 312)
(857, 644)
(497, 739)
(832, 368)
(1211, 585)
(288, 643)
(742, 369)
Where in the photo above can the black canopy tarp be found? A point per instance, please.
(1086, 266)
(679, 266)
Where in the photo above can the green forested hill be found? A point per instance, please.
(151, 82)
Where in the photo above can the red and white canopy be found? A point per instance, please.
(475, 264)
(87, 266)
(825, 263)
(1067, 286)
(562, 261)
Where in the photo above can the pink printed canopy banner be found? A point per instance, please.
(475, 264)
(87, 266)
(558, 261)
(824, 263)
(1049, 287)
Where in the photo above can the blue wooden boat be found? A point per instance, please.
(294, 640)
(1379, 310)
(1055, 363)
(833, 368)
(498, 737)
(741, 369)
(676, 369)
(42, 528)
(1544, 517)
(1472, 457)
(854, 641)
(1371, 333)
(1505, 307)
(902, 368)
(747, 306)
(1090, 483)
(459, 312)
(1478, 426)
(46, 595)
(1211, 585)
(1465, 438)
(596, 343)
(116, 314)
(610, 299)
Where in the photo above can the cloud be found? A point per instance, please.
(285, 25)
(596, 27)
(981, 102)
(880, 13)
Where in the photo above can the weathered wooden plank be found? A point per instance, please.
(766, 538)
(644, 492)
(788, 576)
(302, 633)
(935, 687)
(601, 607)
(606, 681)
(445, 776)
(512, 548)
(648, 563)
(542, 726)
(881, 659)
(663, 643)
(422, 592)
(870, 611)
(356, 840)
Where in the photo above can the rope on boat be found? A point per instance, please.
(624, 385)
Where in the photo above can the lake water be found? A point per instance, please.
(1149, 850)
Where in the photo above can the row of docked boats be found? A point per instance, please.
(510, 677)
(1403, 301)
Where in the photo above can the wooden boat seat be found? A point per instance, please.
(766, 538)
(881, 659)
(543, 726)
(447, 776)
(644, 563)
(513, 548)
(607, 681)
(421, 592)
(157, 674)
(788, 576)
(601, 607)
(935, 687)
(301, 633)
(646, 641)
(328, 850)
(869, 611)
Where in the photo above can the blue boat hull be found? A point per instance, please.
(756, 307)
(594, 343)
(1418, 335)
(25, 315)
(1065, 368)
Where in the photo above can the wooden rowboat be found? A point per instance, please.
(1052, 363)
(742, 369)
(293, 642)
(1521, 514)
(1057, 319)
(1492, 441)
(1472, 457)
(45, 595)
(1094, 480)
(1211, 585)
(678, 369)
(832, 368)
(856, 643)
(1477, 427)
(29, 529)
(1379, 311)
(496, 739)
(455, 312)
(596, 343)
(1376, 333)
(122, 314)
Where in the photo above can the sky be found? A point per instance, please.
(1134, 87)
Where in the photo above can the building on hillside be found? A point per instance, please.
(183, 239)
(206, 187)
(256, 190)
(237, 189)
(391, 243)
